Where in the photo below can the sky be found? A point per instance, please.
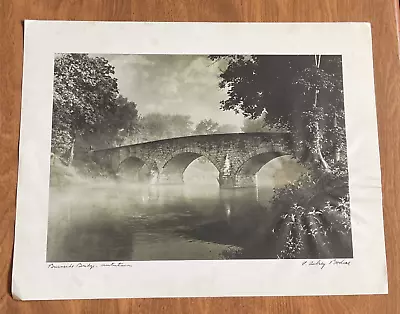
(173, 84)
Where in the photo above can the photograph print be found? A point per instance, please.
(198, 157)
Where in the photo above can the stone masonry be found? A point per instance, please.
(243, 153)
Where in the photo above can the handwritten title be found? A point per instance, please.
(86, 265)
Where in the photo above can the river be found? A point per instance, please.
(104, 222)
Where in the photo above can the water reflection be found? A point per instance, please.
(131, 222)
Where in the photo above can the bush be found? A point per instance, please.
(315, 216)
(62, 175)
(79, 172)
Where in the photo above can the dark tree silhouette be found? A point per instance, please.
(301, 94)
(121, 121)
(87, 107)
(84, 92)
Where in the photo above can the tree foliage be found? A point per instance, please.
(255, 125)
(315, 216)
(301, 94)
(84, 93)
(209, 126)
(206, 126)
(157, 126)
(88, 111)
(119, 122)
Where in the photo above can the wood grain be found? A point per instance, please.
(382, 15)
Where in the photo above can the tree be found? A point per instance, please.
(206, 126)
(125, 121)
(156, 126)
(120, 122)
(255, 125)
(84, 93)
(209, 126)
(324, 118)
(228, 128)
(180, 125)
(301, 94)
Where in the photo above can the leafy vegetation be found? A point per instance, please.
(256, 125)
(314, 218)
(86, 102)
(208, 126)
(302, 95)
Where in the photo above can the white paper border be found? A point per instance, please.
(32, 279)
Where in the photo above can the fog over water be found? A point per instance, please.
(108, 220)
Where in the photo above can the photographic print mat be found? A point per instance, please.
(200, 278)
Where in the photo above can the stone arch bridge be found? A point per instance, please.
(237, 156)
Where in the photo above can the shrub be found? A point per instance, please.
(315, 216)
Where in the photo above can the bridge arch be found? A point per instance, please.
(246, 175)
(173, 169)
(134, 168)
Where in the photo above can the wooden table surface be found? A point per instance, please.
(382, 15)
